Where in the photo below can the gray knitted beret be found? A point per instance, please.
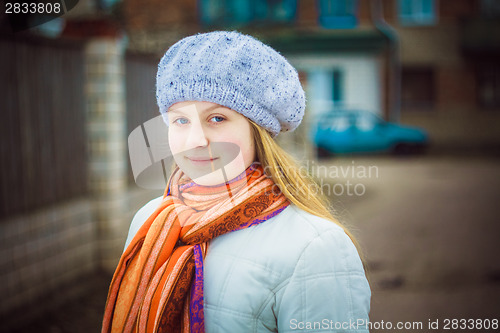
(236, 71)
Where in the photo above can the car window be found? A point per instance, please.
(365, 123)
(340, 124)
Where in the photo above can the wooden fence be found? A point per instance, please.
(43, 156)
(43, 142)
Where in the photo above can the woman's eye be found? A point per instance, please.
(217, 119)
(181, 121)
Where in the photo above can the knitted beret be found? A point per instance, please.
(236, 71)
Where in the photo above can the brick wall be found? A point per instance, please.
(42, 251)
(48, 256)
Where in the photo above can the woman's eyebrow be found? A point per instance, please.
(212, 108)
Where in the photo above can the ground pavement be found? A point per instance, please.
(429, 229)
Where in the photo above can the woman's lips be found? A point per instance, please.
(201, 161)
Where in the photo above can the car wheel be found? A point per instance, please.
(420, 149)
(323, 153)
(403, 149)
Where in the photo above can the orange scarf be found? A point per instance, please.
(158, 284)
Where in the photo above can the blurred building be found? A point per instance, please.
(428, 63)
(74, 89)
(449, 78)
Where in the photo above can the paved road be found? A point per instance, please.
(430, 232)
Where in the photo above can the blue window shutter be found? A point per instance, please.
(338, 14)
(428, 8)
(405, 7)
(241, 12)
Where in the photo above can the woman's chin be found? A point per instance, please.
(202, 171)
(220, 176)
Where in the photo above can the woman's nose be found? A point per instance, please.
(196, 138)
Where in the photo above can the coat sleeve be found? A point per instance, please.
(328, 290)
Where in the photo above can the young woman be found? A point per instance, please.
(241, 241)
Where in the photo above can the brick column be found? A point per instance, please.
(107, 132)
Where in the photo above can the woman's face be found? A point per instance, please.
(212, 144)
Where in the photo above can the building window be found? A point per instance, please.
(417, 12)
(326, 89)
(224, 12)
(488, 85)
(338, 14)
(243, 12)
(417, 88)
(274, 10)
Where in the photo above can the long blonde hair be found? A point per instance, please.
(299, 187)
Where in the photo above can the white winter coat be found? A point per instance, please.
(295, 272)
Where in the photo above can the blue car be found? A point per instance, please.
(347, 131)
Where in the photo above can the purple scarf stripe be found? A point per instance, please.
(197, 317)
(265, 218)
